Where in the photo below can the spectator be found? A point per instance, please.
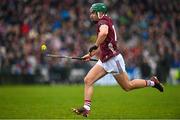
(25, 25)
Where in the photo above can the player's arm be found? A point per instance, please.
(103, 31)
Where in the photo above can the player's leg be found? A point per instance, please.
(93, 75)
(122, 79)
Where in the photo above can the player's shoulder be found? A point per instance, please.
(105, 20)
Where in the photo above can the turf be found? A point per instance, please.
(110, 102)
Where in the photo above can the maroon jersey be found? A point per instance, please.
(108, 48)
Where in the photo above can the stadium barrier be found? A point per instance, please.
(17, 79)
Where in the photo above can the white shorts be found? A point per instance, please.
(114, 65)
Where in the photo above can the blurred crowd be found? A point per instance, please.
(148, 35)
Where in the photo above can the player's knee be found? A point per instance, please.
(127, 88)
(87, 81)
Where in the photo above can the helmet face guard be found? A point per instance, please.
(98, 7)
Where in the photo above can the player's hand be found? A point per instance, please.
(92, 50)
(86, 57)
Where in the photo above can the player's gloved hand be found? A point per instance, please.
(86, 57)
(93, 48)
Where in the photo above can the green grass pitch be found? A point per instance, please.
(110, 102)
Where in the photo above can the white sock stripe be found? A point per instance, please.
(87, 107)
(88, 104)
(150, 83)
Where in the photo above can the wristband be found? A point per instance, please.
(93, 48)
